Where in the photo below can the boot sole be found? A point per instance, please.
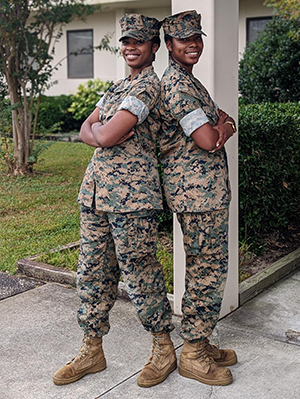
(189, 374)
(148, 384)
(95, 369)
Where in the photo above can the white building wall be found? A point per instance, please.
(105, 65)
(110, 67)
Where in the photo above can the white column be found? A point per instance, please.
(218, 71)
(122, 69)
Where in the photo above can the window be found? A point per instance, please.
(254, 26)
(82, 64)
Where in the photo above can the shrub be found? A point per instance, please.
(269, 165)
(54, 115)
(270, 68)
(86, 98)
(66, 113)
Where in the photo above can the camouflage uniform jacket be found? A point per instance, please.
(195, 180)
(124, 178)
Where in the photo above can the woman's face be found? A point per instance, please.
(137, 54)
(186, 51)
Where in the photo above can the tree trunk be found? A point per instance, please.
(21, 134)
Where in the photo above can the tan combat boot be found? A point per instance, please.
(161, 362)
(194, 363)
(90, 359)
(223, 357)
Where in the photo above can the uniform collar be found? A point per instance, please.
(144, 72)
(180, 68)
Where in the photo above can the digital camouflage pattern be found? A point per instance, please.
(205, 244)
(114, 244)
(183, 25)
(124, 178)
(139, 27)
(119, 197)
(195, 180)
(197, 188)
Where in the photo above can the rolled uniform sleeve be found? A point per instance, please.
(136, 107)
(100, 102)
(193, 121)
(187, 110)
(138, 96)
(141, 99)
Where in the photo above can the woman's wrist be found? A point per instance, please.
(232, 124)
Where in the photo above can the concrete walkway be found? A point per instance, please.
(39, 333)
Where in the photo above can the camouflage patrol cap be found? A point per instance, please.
(139, 27)
(183, 25)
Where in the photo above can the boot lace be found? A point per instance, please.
(156, 349)
(211, 348)
(203, 356)
(84, 350)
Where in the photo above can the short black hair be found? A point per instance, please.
(168, 38)
(156, 40)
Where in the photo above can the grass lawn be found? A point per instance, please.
(40, 212)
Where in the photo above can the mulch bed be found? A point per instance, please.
(276, 245)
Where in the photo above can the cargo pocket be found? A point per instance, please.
(142, 234)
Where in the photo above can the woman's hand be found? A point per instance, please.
(96, 131)
(118, 129)
(222, 117)
(86, 134)
(225, 132)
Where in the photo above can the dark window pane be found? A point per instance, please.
(254, 26)
(80, 65)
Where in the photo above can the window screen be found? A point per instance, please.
(80, 65)
(254, 26)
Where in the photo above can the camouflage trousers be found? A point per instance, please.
(206, 248)
(114, 244)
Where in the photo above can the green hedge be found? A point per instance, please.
(270, 67)
(86, 97)
(269, 168)
(66, 113)
(54, 115)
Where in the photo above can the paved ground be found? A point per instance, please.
(39, 333)
(13, 285)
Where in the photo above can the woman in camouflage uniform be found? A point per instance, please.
(120, 197)
(192, 140)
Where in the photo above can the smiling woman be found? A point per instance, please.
(194, 131)
(138, 54)
(120, 198)
(186, 51)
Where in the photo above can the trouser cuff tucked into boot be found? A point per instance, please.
(161, 362)
(223, 357)
(90, 359)
(194, 363)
